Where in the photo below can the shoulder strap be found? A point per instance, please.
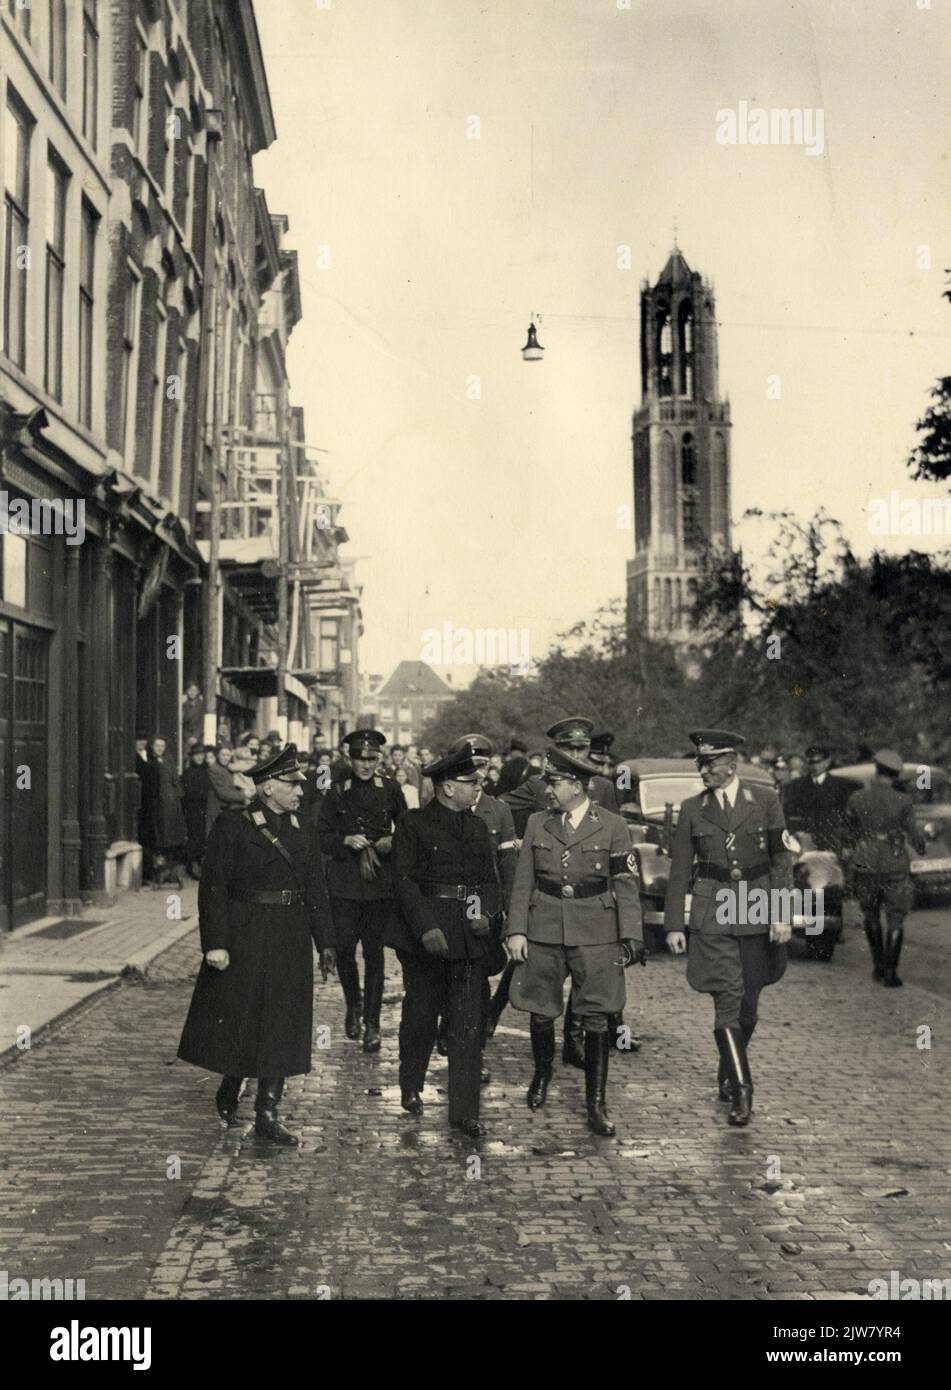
(273, 841)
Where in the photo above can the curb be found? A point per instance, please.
(12, 1053)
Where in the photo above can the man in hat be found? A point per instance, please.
(262, 907)
(446, 891)
(501, 828)
(357, 818)
(881, 821)
(603, 791)
(575, 904)
(730, 840)
(515, 768)
(815, 804)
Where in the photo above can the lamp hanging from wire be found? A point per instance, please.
(533, 350)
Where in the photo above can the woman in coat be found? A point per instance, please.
(168, 817)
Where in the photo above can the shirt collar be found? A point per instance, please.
(727, 795)
(575, 817)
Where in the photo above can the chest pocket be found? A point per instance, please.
(545, 854)
(595, 860)
(755, 836)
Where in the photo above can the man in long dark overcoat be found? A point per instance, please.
(262, 907)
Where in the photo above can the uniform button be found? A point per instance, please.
(597, 866)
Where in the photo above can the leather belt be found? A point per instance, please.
(459, 891)
(571, 890)
(724, 874)
(284, 897)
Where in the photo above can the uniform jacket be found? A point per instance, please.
(599, 851)
(818, 808)
(529, 796)
(255, 1018)
(352, 807)
(501, 828)
(880, 820)
(435, 845)
(751, 843)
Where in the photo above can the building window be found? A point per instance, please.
(181, 372)
(172, 123)
(130, 364)
(57, 179)
(87, 268)
(21, 11)
(328, 644)
(158, 393)
(57, 45)
(688, 461)
(188, 215)
(17, 259)
(140, 98)
(90, 71)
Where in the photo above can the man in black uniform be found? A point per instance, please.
(357, 818)
(603, 791)
(262, 907)
(445, 886)
(881, 820)
(815, 804)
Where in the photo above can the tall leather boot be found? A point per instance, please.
(267, 1125)
(373, 1001)
(499, 1000)
(893, 940)
(733, 1054)
(226, 1097)
(349, 977)
(543, 1051)
(873, 935)
(572, 1048)
(597, 1051)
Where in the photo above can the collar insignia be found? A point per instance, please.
(295, 822)
(259, 817)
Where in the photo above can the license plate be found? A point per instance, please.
(930, 866)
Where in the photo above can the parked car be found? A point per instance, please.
(651, 807)
(930, 790)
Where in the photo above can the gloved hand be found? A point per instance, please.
(634, 952)
(435, 943)
(480, 926)
(384, 844)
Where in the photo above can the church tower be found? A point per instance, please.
(681, 441)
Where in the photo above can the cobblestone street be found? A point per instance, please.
(114, 1169)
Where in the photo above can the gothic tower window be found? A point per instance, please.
(642, 489)
(668, 604)
(688, 475)
(665, 349)
(718, 488)
(685, 346)
(668, 488)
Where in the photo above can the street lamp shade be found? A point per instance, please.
(533, 350)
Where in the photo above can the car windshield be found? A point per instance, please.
(656, 792)
(937, 794)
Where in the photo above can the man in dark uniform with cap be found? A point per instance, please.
(815, 804)
(446, 891)
(501, 828)
(603, 791)
(262, 907)
(575, 905)
(730, 840)
(357, 818)
(881, 821)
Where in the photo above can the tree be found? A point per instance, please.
(930, 460)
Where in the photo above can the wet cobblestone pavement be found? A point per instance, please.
(113, 1167)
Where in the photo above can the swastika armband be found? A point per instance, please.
(624, 864)
(778, 841)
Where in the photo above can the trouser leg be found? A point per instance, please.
(500, 998)
(572, 1049)
(346, 914)
(371, 936)
(227, 1096)
(424, 983)
(894, 937)
(465, 1038)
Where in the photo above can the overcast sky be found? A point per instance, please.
(597, 129)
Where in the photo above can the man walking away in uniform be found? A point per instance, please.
(445, 888)
(357, 819)
(881, 820)
(262, 907)
(575, 906)
(732, 834)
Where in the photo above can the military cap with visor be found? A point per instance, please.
(364, 743)
(574, 732)
(461, 764)
(560, 763)
(712, 743)
(285, 766)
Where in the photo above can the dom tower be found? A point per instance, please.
(681, 438)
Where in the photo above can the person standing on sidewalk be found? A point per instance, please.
(446, 891)
(262, 907)
(881, 822)
(357, 819)
(730, 841)
(575, 906)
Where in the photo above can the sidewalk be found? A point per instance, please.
(52, 966)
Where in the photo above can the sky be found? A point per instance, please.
(451, 167)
